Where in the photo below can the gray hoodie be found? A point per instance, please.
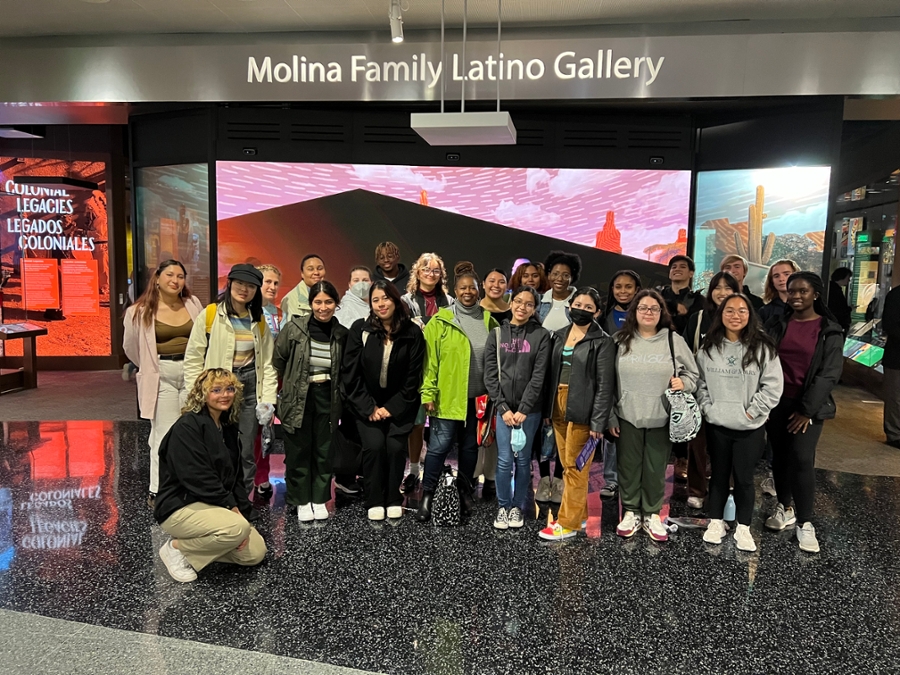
(643, 376)
(351, 310)
(727, 393)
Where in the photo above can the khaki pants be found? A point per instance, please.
(570, 440)
(208, 534)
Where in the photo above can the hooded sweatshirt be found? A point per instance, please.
(727, 393)
(643, 377)
(400, 280)
(351, 309)
(514, 369)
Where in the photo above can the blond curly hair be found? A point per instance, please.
(196, 399)
(424, 260)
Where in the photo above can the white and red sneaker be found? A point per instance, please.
(655, 528)
(629, 525)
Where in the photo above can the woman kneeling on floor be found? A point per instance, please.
(202, 501)
(740, 383)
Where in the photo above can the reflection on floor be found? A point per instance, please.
(77, 542)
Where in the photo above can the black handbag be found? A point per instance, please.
(446, 507)
(346, 452)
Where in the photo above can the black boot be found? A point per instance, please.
(489, 490)
(424, 512)
(468, 503)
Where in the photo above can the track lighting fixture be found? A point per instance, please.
(396, 17)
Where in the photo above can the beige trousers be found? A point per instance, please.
(207, 534)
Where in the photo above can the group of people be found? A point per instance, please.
(560, 373)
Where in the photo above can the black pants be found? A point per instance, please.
(735, 453)
(793, 460)
(384, 452)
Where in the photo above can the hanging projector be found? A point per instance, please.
(462, 128)
(471, 128)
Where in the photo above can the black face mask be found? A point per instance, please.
(581, 317)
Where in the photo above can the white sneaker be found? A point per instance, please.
(715, 531)
(695, 502)
(744, 539)
(806, 535)
(768, 486)
(556, 490)
(376, 513)
(515, 517)
(781, 518)
(501, 522)
(543, 490)
(395, 512)
(320, 511)
(305, 513)
(179, 567)
(631, 521)
(655, 528)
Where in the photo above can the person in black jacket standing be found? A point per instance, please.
(837, 297)
(890, 324)
(381, 376)
(579, 399)
(515, 362)
(202, 501)
(810, 346)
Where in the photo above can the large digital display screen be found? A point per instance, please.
(54, 256)
(278, 212)
(762, 214)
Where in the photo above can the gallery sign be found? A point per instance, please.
(293, 68)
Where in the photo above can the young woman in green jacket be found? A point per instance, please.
(454, 377)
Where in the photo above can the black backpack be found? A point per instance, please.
(446, 508)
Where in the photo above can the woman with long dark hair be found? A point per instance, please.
(233, 335)
(810, 345)
(453, 380)
(649, 351)
(530, 274)
(157, 328)
(307, 357)
(722, 286)
(740, 383)
(495, 291)
(381, 375)
(579, 399)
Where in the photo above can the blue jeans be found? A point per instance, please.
(610, 471)
(443, 434)
(507, 461)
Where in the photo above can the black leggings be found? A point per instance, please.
(793, 460)
(733, 453)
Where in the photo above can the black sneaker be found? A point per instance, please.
(409, 484)
(262, 494)
(348, 489)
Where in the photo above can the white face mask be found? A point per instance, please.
(361, 290)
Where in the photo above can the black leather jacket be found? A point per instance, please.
(592, 383)
(816, 401)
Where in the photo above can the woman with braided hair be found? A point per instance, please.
(810, 345)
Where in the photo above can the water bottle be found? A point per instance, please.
(730, 513)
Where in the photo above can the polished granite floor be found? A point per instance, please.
(77, 543)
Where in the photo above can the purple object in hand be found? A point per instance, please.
(586, 453)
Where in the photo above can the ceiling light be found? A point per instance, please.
(96, 2)
(396, 18)
(56, 182)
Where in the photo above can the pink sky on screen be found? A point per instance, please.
(567, 204)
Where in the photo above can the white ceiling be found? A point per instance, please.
(19, 18)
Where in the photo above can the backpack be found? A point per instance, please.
(446, 507)
(684, 413)
(211, 316)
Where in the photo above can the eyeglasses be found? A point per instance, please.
(736, 312)
(561, 276)
(526, 305)
(431, 271)
(218, 391)
(645, 309)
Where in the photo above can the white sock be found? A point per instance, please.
(415, 468)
